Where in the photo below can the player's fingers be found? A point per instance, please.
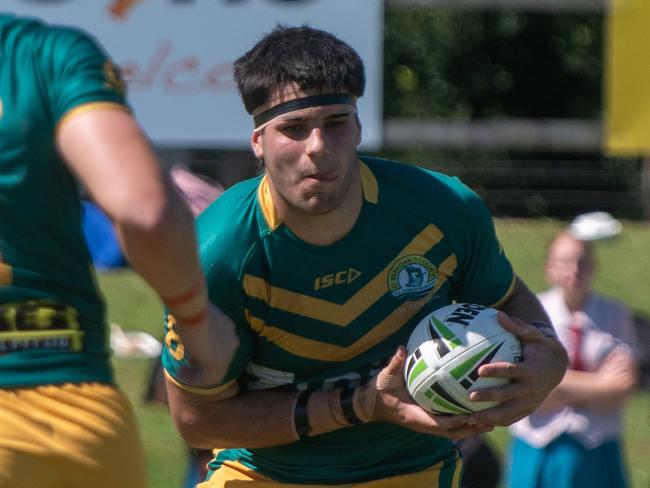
(468, 431)
(449, 422)
(524, 332)
(500, 393)
(503, 414)
(396, 364)
(502, 370)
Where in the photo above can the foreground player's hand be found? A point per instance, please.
(543, 367)
(208, 346)
(386, 399)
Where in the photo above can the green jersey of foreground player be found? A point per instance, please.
(324, 265)
(63, 423)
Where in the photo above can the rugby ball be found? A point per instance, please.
(445, 352)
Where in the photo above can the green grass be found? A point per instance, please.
(624, 267)
(133, 306)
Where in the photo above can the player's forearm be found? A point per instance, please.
(250, 419)
(254, 419)
(523, 304)
(159, 241)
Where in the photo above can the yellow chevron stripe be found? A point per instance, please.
(334, 313)
(323, 351)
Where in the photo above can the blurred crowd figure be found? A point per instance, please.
(198, 191)
(574, 439)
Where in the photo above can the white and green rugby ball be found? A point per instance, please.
(445, 352)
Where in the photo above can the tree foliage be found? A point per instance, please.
(470, 64)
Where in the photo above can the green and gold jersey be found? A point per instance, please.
(331, 316)
(52, 327)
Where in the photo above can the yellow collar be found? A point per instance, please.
(368, 184)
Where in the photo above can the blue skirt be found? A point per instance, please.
(566, 463)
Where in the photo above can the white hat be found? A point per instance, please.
(595, 225)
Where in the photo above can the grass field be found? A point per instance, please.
(624, 271)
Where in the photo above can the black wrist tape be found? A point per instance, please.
(300, 419)
(348, 408)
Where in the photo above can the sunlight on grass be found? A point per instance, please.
(624, 270)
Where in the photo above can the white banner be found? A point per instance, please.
(176, 56)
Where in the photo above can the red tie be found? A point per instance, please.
(576, 331)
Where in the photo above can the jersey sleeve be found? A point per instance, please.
(80, 73)
(222, 262)
(485, 273)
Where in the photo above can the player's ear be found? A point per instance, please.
(256, 143)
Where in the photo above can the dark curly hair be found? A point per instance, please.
(310, 58)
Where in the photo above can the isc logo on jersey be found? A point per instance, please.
(344, 277)
(412, 277)
(445, 352)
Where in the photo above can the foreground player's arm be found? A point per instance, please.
(252, 419)
(543, 366)
(108, 152)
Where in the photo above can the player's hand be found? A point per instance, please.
(543, 367)
(386, 399)
(209, 347)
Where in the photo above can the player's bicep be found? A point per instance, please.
(108, 152)
(486, 274)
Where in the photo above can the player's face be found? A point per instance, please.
(310, 156)
(571, 266)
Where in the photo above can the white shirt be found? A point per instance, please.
(606, 325)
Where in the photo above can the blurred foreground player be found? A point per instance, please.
(63, 422)
(311, 263)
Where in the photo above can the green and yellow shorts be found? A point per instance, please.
(69, 436)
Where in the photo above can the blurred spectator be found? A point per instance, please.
(574, 439)
(197, 191)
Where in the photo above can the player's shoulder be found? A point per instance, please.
(230, 224)
(19, 31)
(400, 181)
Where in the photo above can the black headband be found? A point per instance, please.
(300, 103)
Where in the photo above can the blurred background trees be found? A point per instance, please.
(468, 65)
(465, 63)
